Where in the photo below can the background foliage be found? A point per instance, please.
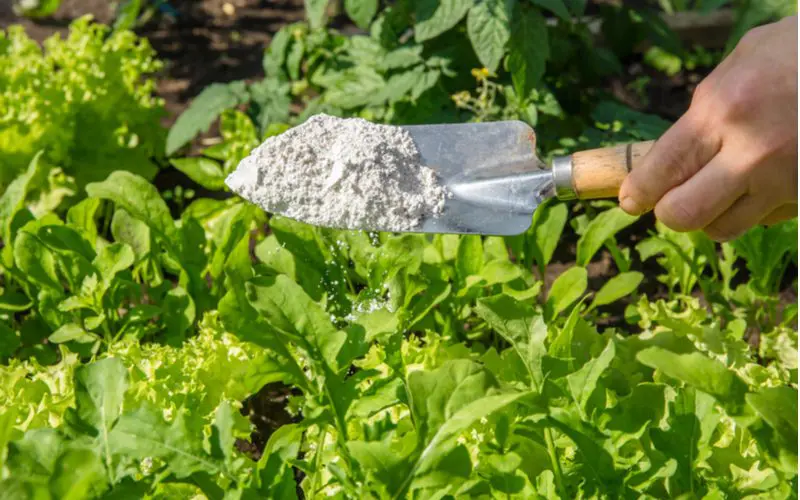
(134, 326)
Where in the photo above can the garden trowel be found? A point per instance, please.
(497, 181)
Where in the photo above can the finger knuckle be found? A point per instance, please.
(739, 95)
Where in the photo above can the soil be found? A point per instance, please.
(205, 41)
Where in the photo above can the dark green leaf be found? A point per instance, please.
(555, 6)
(529, 50)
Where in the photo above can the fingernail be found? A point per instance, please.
(629, 205)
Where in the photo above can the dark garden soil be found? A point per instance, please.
(206, 41)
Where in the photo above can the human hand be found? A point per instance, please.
(730, 162)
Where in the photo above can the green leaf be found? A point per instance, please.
(70, 332)
(434, 17)
(13, 198)
(547, 226)
(139, 198)
(778, 407)
(9, 343)
(528, 50)
(36, 261)
(127, 15)
(65, 239)
(583, 382)
(203, 171)
(79, 473)
(555, 6)
(15, 302)
(469, 259)
(275, 473)
(275, 55)
(112, 259)
(617, 287)
(42, 8)
(81, 216)
(489, 29)
(378, 457)
(288, 309)
(179, 314)
(566, 289)
(462, 419)
(519, 324)
(699, 371)
(203, 111)
(598, 465)
(361, 11)
(143, 433)
(132, 232)
(436, 396)
(599, 230)
(315, 12)
(576, 6)
(223, 438)
(99, 391)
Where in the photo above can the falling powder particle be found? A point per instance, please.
(342, 173)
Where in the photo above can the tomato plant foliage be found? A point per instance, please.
(132, 329)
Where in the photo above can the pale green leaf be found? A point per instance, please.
(203, 111)
(361, 11)
(583, 382)
(566, 289)
(434, 17)
(699, 371)
(204, 171)
(489, 29)
(599, 230)
(139, 198)
(315, 12)
(617, 287)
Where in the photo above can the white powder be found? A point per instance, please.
(342, 173)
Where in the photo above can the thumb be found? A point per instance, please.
(679, 154)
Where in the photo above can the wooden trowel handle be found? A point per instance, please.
(597, 173)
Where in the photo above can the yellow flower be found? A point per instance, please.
(480, 74)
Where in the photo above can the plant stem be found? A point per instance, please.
(551, 450)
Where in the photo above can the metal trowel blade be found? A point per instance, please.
(491, 170)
